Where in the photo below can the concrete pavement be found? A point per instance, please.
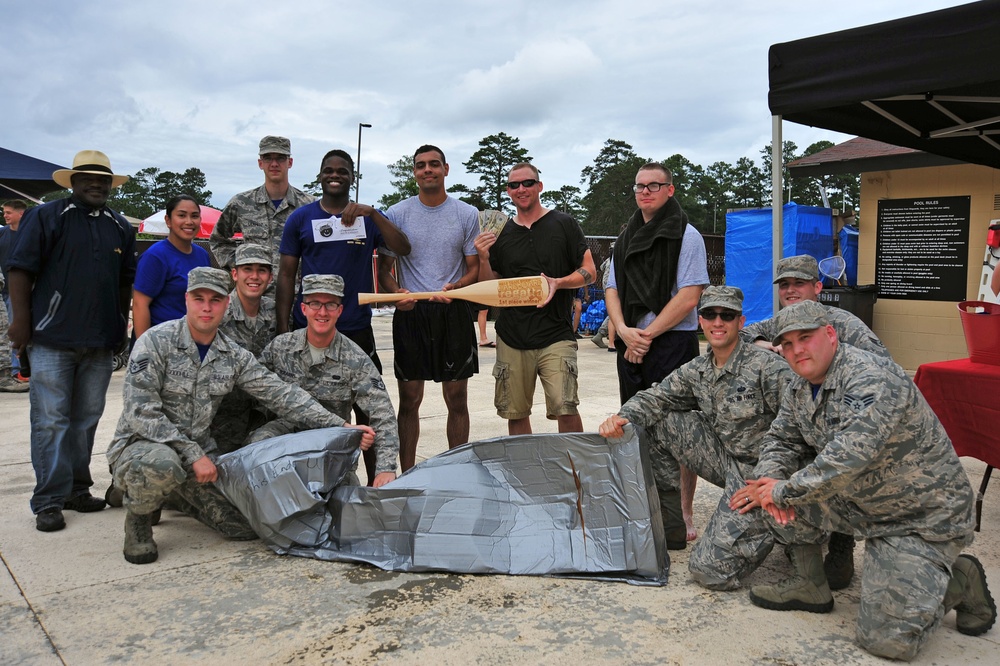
(69, 597)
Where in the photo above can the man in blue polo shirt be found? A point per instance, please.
(71, 278)
(324, 238)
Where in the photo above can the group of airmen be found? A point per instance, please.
(812, 431)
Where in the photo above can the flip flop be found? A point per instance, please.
(488, 344)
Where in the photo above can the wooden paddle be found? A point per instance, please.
(505, 293)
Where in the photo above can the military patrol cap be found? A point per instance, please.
(803, 316)
(204, 277)
(721, 296)
(250, 253)
(323, 284)
(277, 145)
(801, 266)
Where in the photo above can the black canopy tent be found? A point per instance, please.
(930, 82)
(25, 177)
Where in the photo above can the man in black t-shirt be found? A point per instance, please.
(536, 341)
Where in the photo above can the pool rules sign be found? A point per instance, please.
(922, 248)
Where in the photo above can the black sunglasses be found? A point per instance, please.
(724, 315)
(528, 182)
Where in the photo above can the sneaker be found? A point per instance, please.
(86, 503)
(21, 378)
(10, 385)
(50, 520)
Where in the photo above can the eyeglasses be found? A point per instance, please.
(724, 315)
(528, 182)
(316, 305)
(273, 158)
(652, 187)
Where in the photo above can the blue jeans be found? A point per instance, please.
(15, 364)
(68, 390)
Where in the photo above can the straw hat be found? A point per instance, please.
(88, 161)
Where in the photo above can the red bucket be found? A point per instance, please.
(981, 323)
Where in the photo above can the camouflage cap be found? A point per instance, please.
(250, 253)
(803, 316)
(802, 266)
(277, 145)
(204, 277)
(323, 284)
(721, 296)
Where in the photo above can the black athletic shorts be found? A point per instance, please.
(365, 338)
(435, 341)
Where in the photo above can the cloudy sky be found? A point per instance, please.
(197, 84)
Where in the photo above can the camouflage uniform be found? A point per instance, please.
(345, 377)
(239, 414)
(712, 421)
(253, 214)
(849, 327)
(884, 470)
(170, 398)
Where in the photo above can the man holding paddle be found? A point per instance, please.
(536, 341)
(432, 340)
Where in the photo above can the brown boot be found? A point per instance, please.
(806, 590)
(139, 545)
(975, 610)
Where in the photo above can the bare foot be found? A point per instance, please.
(692, 533)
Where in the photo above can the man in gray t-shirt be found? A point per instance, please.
(432, 340)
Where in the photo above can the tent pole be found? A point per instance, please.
(776, 223)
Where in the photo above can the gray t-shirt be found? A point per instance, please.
(440, 239)
(692, 270)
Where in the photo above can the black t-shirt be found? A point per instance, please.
(554, 245)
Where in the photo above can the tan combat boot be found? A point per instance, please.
(806, 590)
(975, 610)
(139, 545)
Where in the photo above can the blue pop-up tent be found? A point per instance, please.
(807, 230)
(25, 177)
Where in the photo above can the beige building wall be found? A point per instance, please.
(917, 332)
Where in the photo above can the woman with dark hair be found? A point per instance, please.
(161, 276)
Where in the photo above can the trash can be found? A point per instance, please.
(859, 301)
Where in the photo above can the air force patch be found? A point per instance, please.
(135, 367)
(858, 402)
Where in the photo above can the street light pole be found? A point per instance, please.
(357, 168)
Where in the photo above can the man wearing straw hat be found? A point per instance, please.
(71, 278)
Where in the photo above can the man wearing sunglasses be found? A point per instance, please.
(798, 281)
(537, 341)
(260, 214)
(658, 270)
(711, 415)
(335, 371)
